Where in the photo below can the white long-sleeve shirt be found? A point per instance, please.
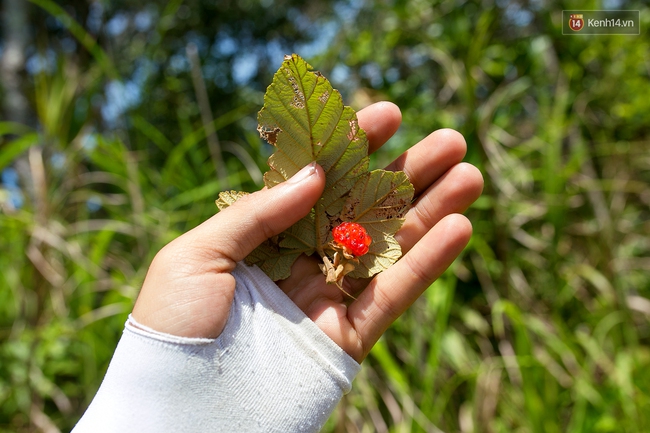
(271, 370)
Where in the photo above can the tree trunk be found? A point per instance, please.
(15, 35)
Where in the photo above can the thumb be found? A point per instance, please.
(188, 290)
(237, 230)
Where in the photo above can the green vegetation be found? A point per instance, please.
(543, 324)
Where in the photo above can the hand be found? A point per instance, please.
(188, 290)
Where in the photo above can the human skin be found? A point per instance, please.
(189, 287)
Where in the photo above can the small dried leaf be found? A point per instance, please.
(227, 198)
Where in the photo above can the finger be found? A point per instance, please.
(379, 121)
(452, 193)
(236, 231)
(431, 158)
(390, 293)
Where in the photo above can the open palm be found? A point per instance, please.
(188, 290)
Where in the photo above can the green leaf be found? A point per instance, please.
(11, 150)
(274, 261)
(13, 128)
(305, 120)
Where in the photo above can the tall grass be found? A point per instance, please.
(94, 212)
(543, 323)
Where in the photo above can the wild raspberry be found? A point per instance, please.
(352, 237)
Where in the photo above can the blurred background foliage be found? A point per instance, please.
(121, 121)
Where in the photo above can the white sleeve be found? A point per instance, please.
(271, 370)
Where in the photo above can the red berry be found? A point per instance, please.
(352, 237)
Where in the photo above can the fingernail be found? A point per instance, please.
(304, 173)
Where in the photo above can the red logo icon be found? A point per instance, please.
(576, 22)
